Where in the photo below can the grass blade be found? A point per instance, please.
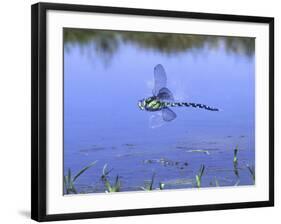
(235, 159)
(161, 186)
(69, 175)
(217, 182)
(252, 172)
(152, 182)
(108, 186)
(198, 177)
(117, 184)
(83, 170)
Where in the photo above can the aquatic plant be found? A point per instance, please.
(235, 159)
(235, 168)
(217, 182)
(161, 186)
(237, 182)
(105, 172)
(115, 187)
(149, 186)
(235, 162)
(199, 176)
(252, 172)
(68, 181)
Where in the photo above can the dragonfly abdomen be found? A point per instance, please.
(195, 105)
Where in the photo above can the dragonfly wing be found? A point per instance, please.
(168, 114)
(165, 95)
(160, 79)
(156, 120)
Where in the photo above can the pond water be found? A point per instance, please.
(105, 75)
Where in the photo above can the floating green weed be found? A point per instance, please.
(69, 181)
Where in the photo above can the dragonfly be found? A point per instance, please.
(162, 100)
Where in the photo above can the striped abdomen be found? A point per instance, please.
(185, 104)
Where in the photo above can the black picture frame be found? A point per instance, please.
(38, 108)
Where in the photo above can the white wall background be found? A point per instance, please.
(15, 109)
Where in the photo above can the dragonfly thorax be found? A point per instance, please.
(151, 104)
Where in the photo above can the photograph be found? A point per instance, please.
(152, 111)
(140, 112)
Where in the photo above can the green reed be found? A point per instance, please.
(69, 181)
(235, 158)
(149, 186)
(115, 187)
(252, 172)
(199, 175)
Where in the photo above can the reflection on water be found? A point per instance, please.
(108, 42)
(103, 123)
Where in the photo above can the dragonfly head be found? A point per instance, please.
(142, 104)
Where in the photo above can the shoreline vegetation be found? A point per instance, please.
(114, 184)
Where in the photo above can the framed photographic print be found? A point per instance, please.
(139, 111)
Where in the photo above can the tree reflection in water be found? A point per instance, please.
(106, 43)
